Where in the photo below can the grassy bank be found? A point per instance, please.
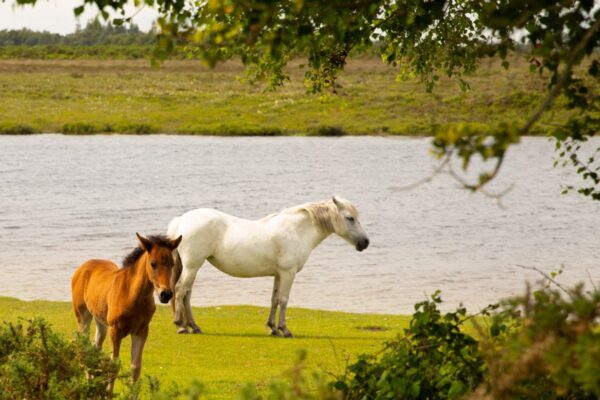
(235, 347)
(128, 96)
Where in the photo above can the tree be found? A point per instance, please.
(422, 38)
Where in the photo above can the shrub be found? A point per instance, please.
(233, 130)
(434, 359)
(137, 128)
(16, 129)
(36, 363)
(544, 345)
(326, 130)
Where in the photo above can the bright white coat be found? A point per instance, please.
(277, 245)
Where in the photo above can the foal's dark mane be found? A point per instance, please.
(157, 240)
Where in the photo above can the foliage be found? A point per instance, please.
(544, 345)
(434, 359)
(37, 363)
(94, 41)
(94, 33)
(69, 52)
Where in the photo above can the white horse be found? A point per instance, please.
(277, 245)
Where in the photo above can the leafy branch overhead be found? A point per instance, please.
(424, 39)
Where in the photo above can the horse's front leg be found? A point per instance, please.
(285, 286)
(137, 347)
(274, 304)
(115, 338)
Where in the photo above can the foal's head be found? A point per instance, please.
(347, 224)
(159, 263)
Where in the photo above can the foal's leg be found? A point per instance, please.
(115, 338)
(137, 347)
(182, 289)
(285, 286)
(274, 303)
(101, 330)
(84, 319)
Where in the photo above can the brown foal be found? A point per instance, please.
(121, 301)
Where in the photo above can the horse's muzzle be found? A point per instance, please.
(165, 296)
(362, 244)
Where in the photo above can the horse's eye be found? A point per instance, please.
(350, 218)
(153, 264)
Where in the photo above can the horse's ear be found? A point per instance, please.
(145, 244)
(337, 203)
(175, 242)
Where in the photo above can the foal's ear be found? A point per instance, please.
(337, 203)
(145, 244)
(174, 243)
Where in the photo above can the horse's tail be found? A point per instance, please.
(176, 273)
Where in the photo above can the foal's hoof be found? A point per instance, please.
(274, 332)
(182, 331)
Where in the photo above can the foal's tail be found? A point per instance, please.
(176, 273)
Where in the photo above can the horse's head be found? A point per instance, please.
(159, 263)
(347, 224)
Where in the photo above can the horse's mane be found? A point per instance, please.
(323, 213)
(135, 254)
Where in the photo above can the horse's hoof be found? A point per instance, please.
(196, 330)
(182, 331)
(274, 332)
(286, 332)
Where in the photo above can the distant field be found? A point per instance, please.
(235, 347)
(185, 97)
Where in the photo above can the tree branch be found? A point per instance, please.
(545, 275)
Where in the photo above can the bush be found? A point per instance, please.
(16, 129)
(326, 130)
(36, 363)
(434, 359)
(544, 345)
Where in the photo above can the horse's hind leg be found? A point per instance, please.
(84, 319)
(274, 304)
(183, 289)
(101, 330)
(188, 313)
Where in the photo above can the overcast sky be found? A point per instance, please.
(57, 16)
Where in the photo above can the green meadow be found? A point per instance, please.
(236, 347)
(186, 97)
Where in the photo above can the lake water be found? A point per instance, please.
(66, 199)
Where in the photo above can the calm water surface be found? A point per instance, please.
(66, 199)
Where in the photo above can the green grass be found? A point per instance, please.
(236, 347)
(185, 97)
